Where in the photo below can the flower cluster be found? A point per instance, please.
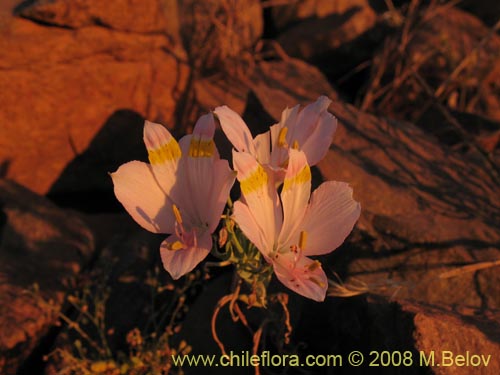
(184, 190)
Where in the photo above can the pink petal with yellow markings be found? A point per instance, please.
(164, 154)
(294, 197)
(257, 186)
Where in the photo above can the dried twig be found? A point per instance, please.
(465, 61)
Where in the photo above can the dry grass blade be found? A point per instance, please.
(353, 288)
(469, 268)
(465, 61)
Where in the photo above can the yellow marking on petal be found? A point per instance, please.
(300, 178)
(282, 137)
(302, 239)
(177, 245)
(199, 148)
(177, 214)
(167, 152)
(317, 282)
(313, 266)
(295, 145)
(254, 182)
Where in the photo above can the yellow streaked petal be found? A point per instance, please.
(302, 177)
(162, 147)
(200, 148)
(169, 151)
(257, 180)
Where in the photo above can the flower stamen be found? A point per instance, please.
(177, 214)
(302, 239)
(282, 137)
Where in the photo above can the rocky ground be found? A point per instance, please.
(416, 89)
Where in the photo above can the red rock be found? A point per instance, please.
(279, 84)
(60, 86)
(139, 16)
(318, 27)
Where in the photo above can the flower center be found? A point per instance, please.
(187, 239)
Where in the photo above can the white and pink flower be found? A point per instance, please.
(310, 130)
(289, 227)
(182, 192)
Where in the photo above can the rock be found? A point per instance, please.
(212, 91)
(61, 85)
(287, 82)
(373, 324)
(42, 244)
(426, 210)
(287, 15)
(150, 16)
(471, 127)
(317, 28)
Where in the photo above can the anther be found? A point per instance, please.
(177, 245)
(282, 137)
(302, 239)
(177, 214)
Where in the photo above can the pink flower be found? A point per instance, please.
(288, 228)
(310, 130)
(182, 192)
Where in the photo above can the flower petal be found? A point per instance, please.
(294, 197)
(250, 228)
(235, 129)
(302, 126)
(330, 217)
(262, 144)
(196, 173)
(317, 144)
(138, 191)
(163, 152)
(257, 187)
(180, 262)
(303, 275)
(223, 180)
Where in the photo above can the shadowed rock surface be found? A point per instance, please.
(39, 243)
